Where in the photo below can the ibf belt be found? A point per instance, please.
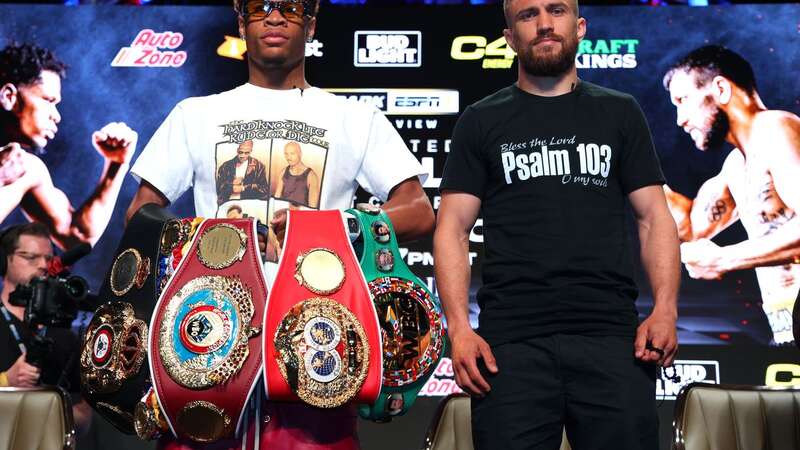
(409, 316)
(321, 337)
(113, 376)
(204, 360)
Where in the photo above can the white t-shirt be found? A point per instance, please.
(345, 144)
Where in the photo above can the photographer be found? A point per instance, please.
(26, 251)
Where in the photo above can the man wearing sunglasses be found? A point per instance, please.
(357, 143)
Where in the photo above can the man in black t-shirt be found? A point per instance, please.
(550, 161)
(26, 250)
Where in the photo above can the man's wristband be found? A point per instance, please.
(3, 379)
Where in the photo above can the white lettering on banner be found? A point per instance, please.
(387, 49)
(407, 102)
(431, 145)
(426, 258)
(476, 235)
(690, 371)
(432, 181)
(152, 49)
(782, 375)
(418, 124)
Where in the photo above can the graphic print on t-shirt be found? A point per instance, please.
(586, 163)
(265, 166)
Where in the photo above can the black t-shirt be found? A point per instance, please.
(552, 174)
(62, 359)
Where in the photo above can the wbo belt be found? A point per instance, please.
(113, 373)
(204, 360)
(321, 337)
(410, 317)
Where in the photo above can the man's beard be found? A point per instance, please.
(717, 131)
(551, 64)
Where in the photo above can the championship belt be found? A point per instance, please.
(114, 373)
(410, 317)
(203, 359)
(321, 337)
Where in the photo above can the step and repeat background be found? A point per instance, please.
(422, 66)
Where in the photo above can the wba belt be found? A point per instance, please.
(410, 317)
(204, 360)
(321, 338)
(112, 363)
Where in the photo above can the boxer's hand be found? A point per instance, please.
(278, 224)
(12, 165)
(703, 259)
(116, 142)
(467, 348)
(22, 374)
(657, 340)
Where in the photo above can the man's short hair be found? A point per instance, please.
(23, 64)
(9, 238)
(710, 61)
(507, 5)
(234, 208)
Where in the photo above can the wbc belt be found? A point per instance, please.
(410, 317)
(321, 337)
(113, 370)
(204, 361)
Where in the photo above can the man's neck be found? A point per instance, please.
(17, 311)
(741, 115)
(279, 78)
(548, 86)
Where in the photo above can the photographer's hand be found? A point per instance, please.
(22, 374)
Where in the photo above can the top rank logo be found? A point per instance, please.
(387, 49)
(151, 49)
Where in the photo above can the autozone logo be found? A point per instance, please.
(152, 49)
(690, 371)
(387, 49)
(414, 102)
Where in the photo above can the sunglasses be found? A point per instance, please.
(290, 9)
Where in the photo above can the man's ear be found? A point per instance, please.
(722, 89)
(242, 27)
(8, 96)
(509, 35)
(311, 28)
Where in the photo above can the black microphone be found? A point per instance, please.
(59, 264)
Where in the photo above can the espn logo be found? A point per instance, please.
(387, 49)
(690, 371)
(413, 102)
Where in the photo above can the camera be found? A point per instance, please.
(49, 301)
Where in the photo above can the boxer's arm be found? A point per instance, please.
(410, 210)
(711, 211)
(12, 194)
(457, 214)
(147, 193)
(661, 260)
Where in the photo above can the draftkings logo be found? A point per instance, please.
(607, 54)
(690, 371)
(592, 54)
(412, 102)
(782, 375)
(152, 49)
(387, 49)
